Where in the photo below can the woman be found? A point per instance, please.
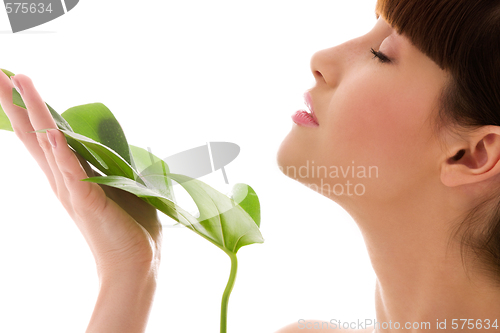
(420, 113)
(425, 111)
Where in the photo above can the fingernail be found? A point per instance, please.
(52, 139)
(17, 85)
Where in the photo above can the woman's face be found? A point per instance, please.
(374, 140)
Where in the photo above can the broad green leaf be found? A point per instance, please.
(142, 158)
(221, 221)
(227, 222)
(148, 164)
(87, 153)
(110, 162)
(245, 196)
(154, 198)
(96, 122)
(230, 223)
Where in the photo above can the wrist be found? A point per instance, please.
(128, 273)
(135, 288)
(124, 302)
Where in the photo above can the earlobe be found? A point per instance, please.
(475, 160)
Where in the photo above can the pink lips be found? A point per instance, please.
(304, 118)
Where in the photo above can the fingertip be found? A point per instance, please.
(17, 84)
(21, 77)
(25, 80)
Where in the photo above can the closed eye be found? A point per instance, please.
(381, 57)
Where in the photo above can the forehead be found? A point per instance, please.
(394, 35)
(389, 33)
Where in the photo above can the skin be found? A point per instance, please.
(376, 114)
(380, 114)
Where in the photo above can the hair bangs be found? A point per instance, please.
(438, 28)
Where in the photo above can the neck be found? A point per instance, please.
(421, 279)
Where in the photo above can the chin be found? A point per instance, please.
(296, 149)
(291, 157)
(295, 153)
(288, 156)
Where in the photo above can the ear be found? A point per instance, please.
(473, 160)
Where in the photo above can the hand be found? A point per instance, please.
(122, 231)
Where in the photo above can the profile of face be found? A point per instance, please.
(374, 142)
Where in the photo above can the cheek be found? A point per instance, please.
(380, 125)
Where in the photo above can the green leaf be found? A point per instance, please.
(96, 122)
(60, 121)
(245, 196)
(148, 164)
(17, 99)
(160, 202)
(227, 222)
(8, 73)
(110, 162)
(221, 220)
(4, 121)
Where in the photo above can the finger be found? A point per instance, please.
(18, 116)
(21, 124)
(41, 118)
(85, 196)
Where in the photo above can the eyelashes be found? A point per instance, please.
(381, 57)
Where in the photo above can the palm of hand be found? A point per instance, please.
(131, 228)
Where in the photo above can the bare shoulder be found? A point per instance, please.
(319, 326)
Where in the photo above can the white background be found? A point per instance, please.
(178, 74)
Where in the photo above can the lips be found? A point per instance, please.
(308, 102)
(305, 118)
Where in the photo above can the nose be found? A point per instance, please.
(324, 67)
(329, 65)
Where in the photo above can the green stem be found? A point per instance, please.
(227, 292)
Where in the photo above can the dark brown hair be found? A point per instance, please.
(463, 38)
